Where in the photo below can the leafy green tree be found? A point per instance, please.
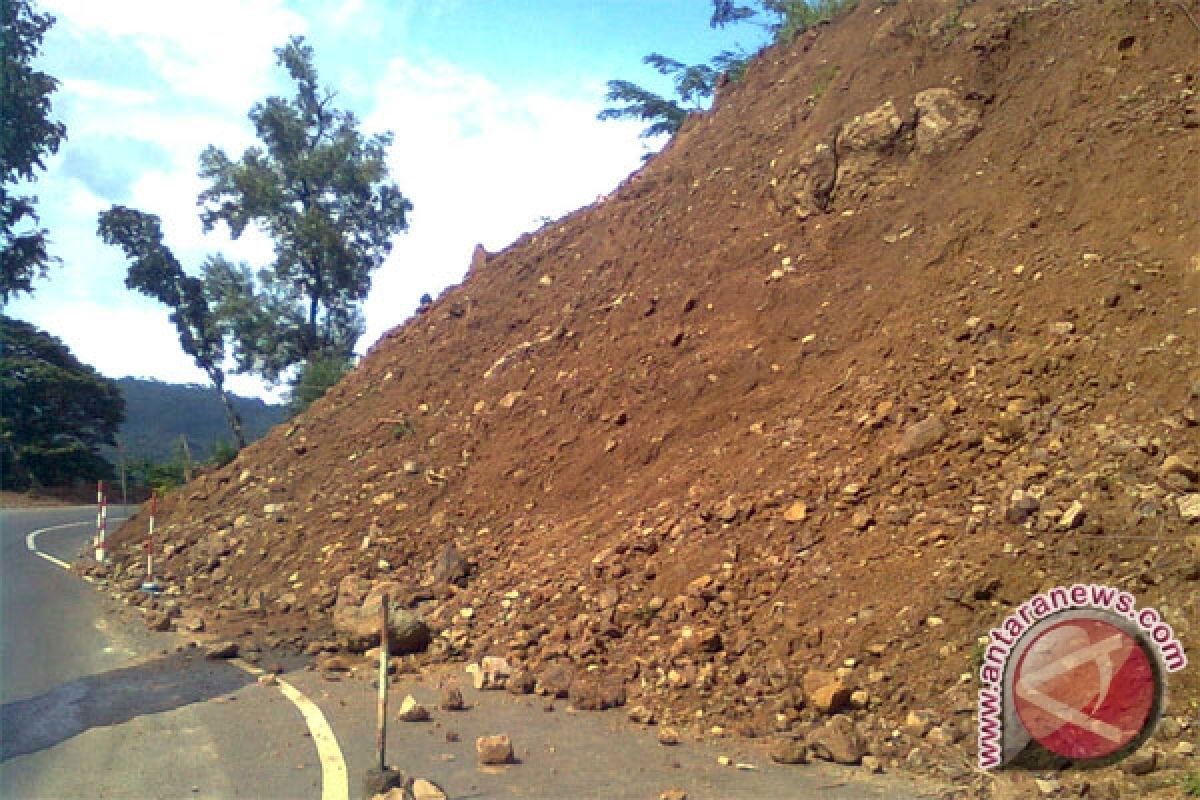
(784, 19)
(316, 376)
(694, 84)
(321, 190)
(155, 272)
(55, 412)
(27, 137)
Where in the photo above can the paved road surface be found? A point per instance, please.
(93, 706)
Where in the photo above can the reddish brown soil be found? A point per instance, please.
(627, 401)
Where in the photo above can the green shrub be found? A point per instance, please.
(797, 16)
(224, 453)
(315, 377)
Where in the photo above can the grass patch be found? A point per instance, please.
(823, 80)
(799, 16)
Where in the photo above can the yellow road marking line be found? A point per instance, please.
(335, 782)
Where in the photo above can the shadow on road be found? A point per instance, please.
(164, 684)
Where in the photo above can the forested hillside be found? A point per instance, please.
(157, 414)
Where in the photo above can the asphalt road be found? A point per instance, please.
(94, 706)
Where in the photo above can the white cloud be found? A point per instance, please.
(219, 51)
(109, 95)
(481, 164)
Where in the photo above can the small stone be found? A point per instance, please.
(1063, 328)
(412, 711)
(268, 680)
(1141, 762)
(941, 736)
(1021, 506)
(921, 436)
(725, 761)
(157, 621)
(423, 789)
(1189, 507)
(521, 682)
(873, 764)
(668, 736)
(555, 680)
(838, 741)
(1073, 517)
(796, 512)
(1047, 786)
(593, 694)
(673, 793)
(1176, 465)
(222, 650)
(789, 751)
(451, 699)
(641, 715)
(918, 723)
(830, 698)
(496, 749)
(1185, 749)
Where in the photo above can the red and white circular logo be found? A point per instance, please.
(1084, 688)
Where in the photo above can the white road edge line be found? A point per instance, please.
(335, 781)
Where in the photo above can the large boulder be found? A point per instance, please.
(356, 618)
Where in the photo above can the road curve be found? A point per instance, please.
(94, 706)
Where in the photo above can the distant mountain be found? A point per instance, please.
(157, 414)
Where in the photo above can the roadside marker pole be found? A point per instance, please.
(381, 721)
(101, 521)
(151, 585)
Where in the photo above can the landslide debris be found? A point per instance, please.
(901, 332)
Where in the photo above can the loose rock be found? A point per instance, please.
(496, 749)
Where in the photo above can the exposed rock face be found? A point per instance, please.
(944, 121)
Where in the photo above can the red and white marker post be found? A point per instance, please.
(101, 522)
(151, 585)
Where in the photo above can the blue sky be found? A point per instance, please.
(492, 103)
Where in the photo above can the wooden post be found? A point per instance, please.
(381, 722)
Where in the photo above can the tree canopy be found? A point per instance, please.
(695, 83)
(56, 412)
(320, 189)
(155, 272)
(27, 137)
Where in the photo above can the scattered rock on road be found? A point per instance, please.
(222, 650)
(495, 749)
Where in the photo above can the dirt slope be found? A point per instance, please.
(919, 259)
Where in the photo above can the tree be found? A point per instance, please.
(694, 84)
(784, 19)
(27, 137)
(320, 189)
(56, 411)
(314, 378)
(155, 272)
